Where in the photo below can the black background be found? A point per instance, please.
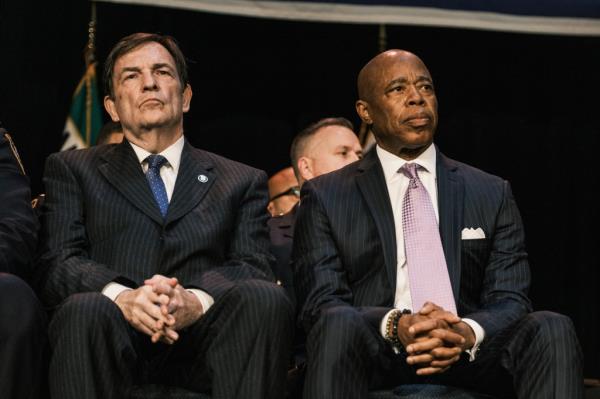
(521, 106)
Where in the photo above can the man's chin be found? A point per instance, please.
(419, 137)
(153, 123)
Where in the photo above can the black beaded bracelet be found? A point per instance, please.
(391, 327)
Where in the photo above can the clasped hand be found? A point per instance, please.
(160, 308)
(434, 338)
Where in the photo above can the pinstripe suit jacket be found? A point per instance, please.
(102, 224)
(345, 246)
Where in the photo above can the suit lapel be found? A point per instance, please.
(450, 205)
(194, 179)
(371, 182)
(122, 169)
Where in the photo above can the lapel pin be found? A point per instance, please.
(202, 178)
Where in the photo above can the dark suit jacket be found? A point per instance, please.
(102, 224)
(345, 246)
(281, 231)
(18, 226)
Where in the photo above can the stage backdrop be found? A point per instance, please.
(573, 17)
(518, 102)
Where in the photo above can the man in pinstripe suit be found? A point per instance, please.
(164, 277)
(351, 271)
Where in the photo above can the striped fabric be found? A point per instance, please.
(102, 224)
(344, 259)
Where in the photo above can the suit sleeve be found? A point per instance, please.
(507, 275)
(18, 225)
(319, 273)
(66, 268)
(247, 254)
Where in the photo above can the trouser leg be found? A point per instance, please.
(240, 348)
(537, 358)
(93, 352)
(347, 357)
(546, 358)
(22, 340)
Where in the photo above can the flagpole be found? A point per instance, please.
(90, 58)
(90, 48)
(84, 120)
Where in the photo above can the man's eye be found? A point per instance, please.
(130, 76)
(427, 88)
(162, 72)
(398, 88)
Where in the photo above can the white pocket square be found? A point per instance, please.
(472, 234)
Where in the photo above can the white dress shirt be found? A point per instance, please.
(397, 184)
(168, 173)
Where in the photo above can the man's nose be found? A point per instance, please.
(149, 81)
(414, 96)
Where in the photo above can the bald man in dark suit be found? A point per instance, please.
(22, 320)
(365, 268)
(157, 262)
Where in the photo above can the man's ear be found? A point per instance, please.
(109, 106)
(362, 109)
(187, 97)
(305, 167)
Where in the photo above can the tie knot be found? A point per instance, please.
(410, 170)
(155, 162)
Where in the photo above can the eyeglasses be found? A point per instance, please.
(295, 190)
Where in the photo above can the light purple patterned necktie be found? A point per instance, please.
(427, 270)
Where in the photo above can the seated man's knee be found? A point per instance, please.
(551, 328)
(20, 309)
(265, 299)
(343, 323)
(80, 312)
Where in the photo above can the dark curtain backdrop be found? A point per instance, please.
(524, 107)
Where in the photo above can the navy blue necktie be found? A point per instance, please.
(155, 162)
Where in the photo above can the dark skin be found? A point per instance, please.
(434, 338)
(397, 100)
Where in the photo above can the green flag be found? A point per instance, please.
(85, 117)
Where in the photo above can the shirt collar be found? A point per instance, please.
(392, 163)
(172, 153)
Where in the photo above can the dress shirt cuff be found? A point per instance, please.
(205, 300)
(479, 336)
(112, 290)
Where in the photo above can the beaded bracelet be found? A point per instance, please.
(391, 327)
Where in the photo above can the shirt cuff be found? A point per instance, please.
(479, 336)
(112, 290)
(205, 300)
